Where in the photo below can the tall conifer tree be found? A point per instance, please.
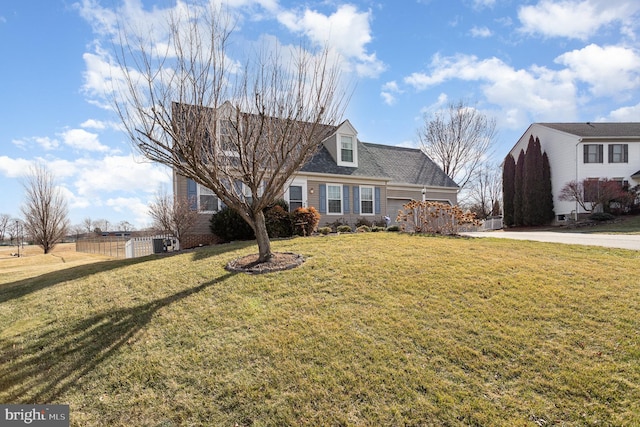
(508, 189)
(518, 194)
(547, 189)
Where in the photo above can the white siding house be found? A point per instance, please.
(579, 151)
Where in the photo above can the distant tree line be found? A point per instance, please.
(526, 187)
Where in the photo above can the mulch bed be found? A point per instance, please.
(278, 262)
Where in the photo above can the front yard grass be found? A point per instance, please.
(373, 329)
(624, 225)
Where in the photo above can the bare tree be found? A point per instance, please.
(172, 214)
(485, 190)
(125, 226)
(4, 223)
(100, 225)
(87, 225)
(45, 209)
(238, 130)
(77, 229)
(593, 193)
(458, 139)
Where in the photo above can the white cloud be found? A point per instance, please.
(609, 70)
(480, 4)
(347, 30)
(537, 93)
(576, 19)
(47, 143)
(625, 114)
(14, 168)
(44, 142)
(131, 205)
(98, 74)
(93, 124)
(80, 139)
(389, 92)
(480, 32)
(74, 201)
(118, 174)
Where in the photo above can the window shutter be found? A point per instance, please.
(625, 152)
(377, 200)
(345, 199)
(600, 152)
(356, 199)
(610, 147)
(323, 198)
(192, 194)
(585, 152)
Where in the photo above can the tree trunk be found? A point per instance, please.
(264, 244)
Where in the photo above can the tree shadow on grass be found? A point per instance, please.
(43, 368)
(20, 288)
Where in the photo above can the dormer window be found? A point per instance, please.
(343, 145)
(346, 149)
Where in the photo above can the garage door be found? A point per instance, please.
(393, 206)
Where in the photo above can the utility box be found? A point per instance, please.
(158, 246)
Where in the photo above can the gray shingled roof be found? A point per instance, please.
(396, 164)
(598, 130)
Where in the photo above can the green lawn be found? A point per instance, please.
(376, 329)
(626, 224)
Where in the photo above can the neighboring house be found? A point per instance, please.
(347, 179)
(579, 151)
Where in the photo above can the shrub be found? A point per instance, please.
(305, 220)
(393, 228)
(363, 229)
(228, 225)
(380, 222)
(325, 230)
(344, 228)
(278, 222)
(376, 228)
(335, 224)
(434, 218)
(601, 216)
(363, 221)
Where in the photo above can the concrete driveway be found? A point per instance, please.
(622, 241)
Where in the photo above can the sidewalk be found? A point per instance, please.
(622, 241)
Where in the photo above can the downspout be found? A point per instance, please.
(577, 145)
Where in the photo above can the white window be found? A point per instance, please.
(593, 153)
(618, 153)
(207, 200)
(334, 199)
(295, 197)
(366, 200)
(346, 149)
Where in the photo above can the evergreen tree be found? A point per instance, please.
(508, 189)
(517, 193)
(528, 184)
(534, 198)
(548, 212)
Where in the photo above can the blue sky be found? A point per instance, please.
(520, 62)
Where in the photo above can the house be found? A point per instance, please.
(345, 180)
(579, 151)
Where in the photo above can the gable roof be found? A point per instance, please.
(598, 130)
(395, 164)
